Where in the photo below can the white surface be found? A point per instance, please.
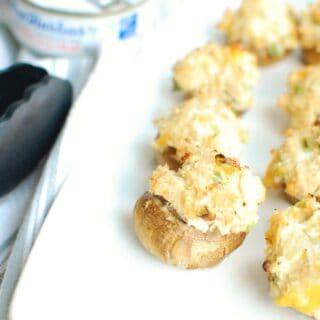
(87, 262)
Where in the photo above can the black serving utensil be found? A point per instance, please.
(33, 109)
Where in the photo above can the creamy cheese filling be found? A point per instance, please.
(210, 192)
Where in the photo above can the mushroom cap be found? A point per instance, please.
(170, 239)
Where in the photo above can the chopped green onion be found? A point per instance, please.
(274, 51)
(217, 176)
(310, 143)
(298, 90)
(176, 85)
(232, 102)
(251, 226)
(274, 278)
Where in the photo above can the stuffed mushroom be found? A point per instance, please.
(268, 28)
(197, 215)
(229, 69)
(295, 166)
(198, 124)
(302, 100)
(293, 257)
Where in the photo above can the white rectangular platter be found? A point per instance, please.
(87, 262)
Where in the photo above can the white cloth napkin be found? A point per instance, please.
(24, 209)
(14, 205)
(55, 171)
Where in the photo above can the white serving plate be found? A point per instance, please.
(87, 262)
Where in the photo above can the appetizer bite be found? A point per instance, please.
(302, 101)
(309, 32)
(293, 257)
(214, 67)
(265, 27)
(197, 215)
(295, 166)
(198, 124)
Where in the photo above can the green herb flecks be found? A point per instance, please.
(273, 278)
(275, 51)
(310, 143)
(232, 102)
(176, 85)
(251, 226)
(298, 90)
(217, 177)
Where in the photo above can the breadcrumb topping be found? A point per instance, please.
(295, 166)
(201, 123)
(302, 100)
(210, 191)
(224, 68)
(267, 27)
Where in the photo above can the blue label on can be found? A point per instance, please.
(128, 26)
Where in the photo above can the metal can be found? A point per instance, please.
(63, 31)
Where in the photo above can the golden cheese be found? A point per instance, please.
(224, 68)
(305, 300)
(302, 100)
(293, 257)
(210, 191)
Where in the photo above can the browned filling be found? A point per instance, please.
(169, 156)
(311, 56)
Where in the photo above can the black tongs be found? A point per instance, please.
(33, 109)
